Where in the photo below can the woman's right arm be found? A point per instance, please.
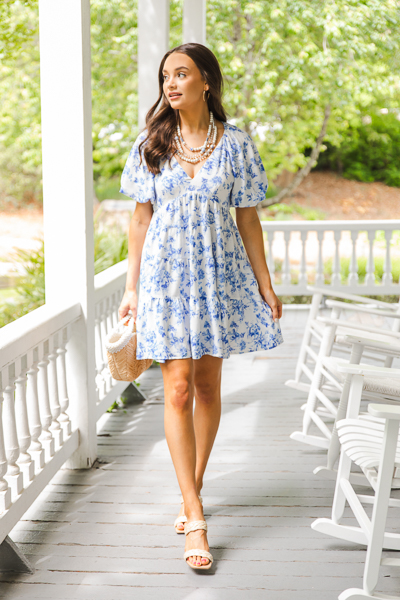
(137, 232)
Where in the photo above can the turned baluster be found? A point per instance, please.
(103, 336)
(270, 260)
(99, 352)
(36, 449)
(21, 413)
(62, 382)
(286, 278)
(114, 309)
(370, 277)
(303, 264)
(117, 302)
(55, 426)
(13, 475)
(44, 403)
(5, 490)
(109, 314)
(109, 326)
(353, 274)
(336, 278)
(387, 278)
(319, 271)
(103, 328)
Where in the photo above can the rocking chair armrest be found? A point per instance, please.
(345, 324)
(385, 411)
(363, 309)
(369, 371)
(346, 296)
(391, 346)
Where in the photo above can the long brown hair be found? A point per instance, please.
(161, 125)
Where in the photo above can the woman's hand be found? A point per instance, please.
(128, 303)
(273, 302)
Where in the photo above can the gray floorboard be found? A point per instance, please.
(106, 533)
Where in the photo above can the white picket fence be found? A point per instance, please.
(297, 250)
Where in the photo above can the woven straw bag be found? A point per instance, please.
(121, 352)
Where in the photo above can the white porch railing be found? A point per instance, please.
(37, 432)
(109, 289)
(300, 253)
(40, 353)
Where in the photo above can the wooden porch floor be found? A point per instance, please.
(106, 533)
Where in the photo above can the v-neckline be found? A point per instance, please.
(206, 161)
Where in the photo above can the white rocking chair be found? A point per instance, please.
(321, 406)
(374, 388)
(372, 444)
(314, 330)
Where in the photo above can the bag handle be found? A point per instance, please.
(131, 323)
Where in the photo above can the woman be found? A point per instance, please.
(203, 296)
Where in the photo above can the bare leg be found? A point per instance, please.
(207, 413)
(207, 410)
(179, 385)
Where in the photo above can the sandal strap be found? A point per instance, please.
(181, 519)
(198, 552)
(201, 499)
(194, 526)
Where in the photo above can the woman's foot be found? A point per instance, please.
(181, 526)
(197, 539)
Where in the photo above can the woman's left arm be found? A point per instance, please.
(249, 226)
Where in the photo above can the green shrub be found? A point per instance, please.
(308, 299)
(369, 152)
(110, 247)
(30, 289)
(108, 189)
(285, 212)
(344, 270)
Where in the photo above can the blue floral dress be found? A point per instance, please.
(198, 292)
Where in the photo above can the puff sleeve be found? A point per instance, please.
(250, 178)
(137, 181)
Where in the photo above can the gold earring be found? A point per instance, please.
(204, 95)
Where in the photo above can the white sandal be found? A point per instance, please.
(182, 518)
(193, 526)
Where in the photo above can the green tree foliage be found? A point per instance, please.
(20, 143)
(286, 60)
(369, 151)
(114, 83)
(114, 92)
(110, 247)
(284, 63)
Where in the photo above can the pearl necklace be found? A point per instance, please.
(203, 147)
(205, 150)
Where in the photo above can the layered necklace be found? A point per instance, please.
(204, 151)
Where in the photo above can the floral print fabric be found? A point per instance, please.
(198, 292)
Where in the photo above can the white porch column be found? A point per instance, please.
(64, 27)
(153, 43)
(194, 21)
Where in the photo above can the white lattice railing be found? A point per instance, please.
(300, 253)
